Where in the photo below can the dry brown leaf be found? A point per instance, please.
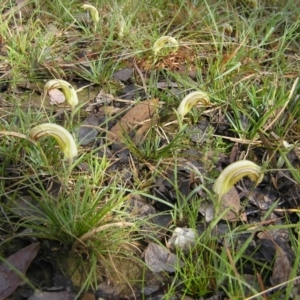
(135, 116)
(231, 200)
(56, 97)
(110, 110)
(141, 132)
(282, 267)
(277, 234)
(160, 259)
(234, 153)
(87, 134)
(21, 260)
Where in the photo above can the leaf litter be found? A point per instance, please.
(160, 259)
(12, 268)
(270, 246)
(136, 116)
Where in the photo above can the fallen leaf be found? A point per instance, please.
(88, 296)
(88, 130)
(56, 97)
(104, 98)
(262, 198)
(107, 291)
(132, 91)
(276, 234)
(282, 267)
(124, 74)
(20, 260)
(62, 295)
(160, 259)
(26, 207)
(141, 132)
(252, 281)
(110, 110)
(231, 200)
(25, 7)
(135, 116)
(234, 153)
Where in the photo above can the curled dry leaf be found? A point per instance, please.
(135, 116)
(183, 238)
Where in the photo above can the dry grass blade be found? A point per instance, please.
(94, 231)
(279, 113)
